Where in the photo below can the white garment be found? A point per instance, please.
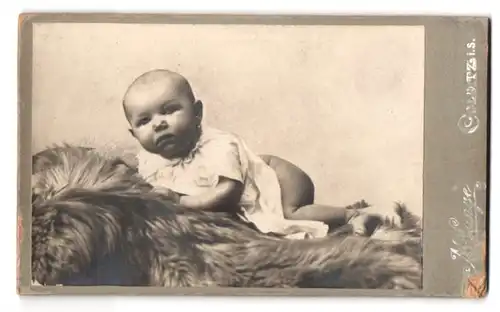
(219, 153)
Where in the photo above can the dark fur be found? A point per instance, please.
(95, 222)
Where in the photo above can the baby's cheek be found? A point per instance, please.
(182, 122)
(145, 138)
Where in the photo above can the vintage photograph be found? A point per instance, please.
(227, 155)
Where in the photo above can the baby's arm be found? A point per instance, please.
(221, 160)
(224, 196)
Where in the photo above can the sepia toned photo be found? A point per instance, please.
(227, 155)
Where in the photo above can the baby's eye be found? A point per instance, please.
(169, 109)
(142, 121)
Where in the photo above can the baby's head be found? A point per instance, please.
(163, 114)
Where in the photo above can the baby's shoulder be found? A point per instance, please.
(143, 156)
(147, 163)
(212, 137)
(220, 147)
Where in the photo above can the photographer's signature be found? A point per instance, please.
(468, 237)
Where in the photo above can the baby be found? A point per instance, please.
(208, 169)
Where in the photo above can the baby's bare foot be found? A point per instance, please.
(358, 205)
(364, 224)
(388, 213)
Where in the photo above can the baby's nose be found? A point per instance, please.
(159, 123)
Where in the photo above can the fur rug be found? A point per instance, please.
(96, 222)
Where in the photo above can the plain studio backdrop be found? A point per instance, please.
(344, 103)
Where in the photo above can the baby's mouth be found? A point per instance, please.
(163, 140)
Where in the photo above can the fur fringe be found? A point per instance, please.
(96, 222)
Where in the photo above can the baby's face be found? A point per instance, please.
(163, 119)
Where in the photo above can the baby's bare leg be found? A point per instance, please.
(297, 195)
(333, 216)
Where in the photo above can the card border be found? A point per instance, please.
(463, 159)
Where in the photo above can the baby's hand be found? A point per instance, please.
(167, 192)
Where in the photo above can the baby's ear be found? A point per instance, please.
(198, 109)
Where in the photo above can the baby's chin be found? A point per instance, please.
(176, 148)
(170, 152)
